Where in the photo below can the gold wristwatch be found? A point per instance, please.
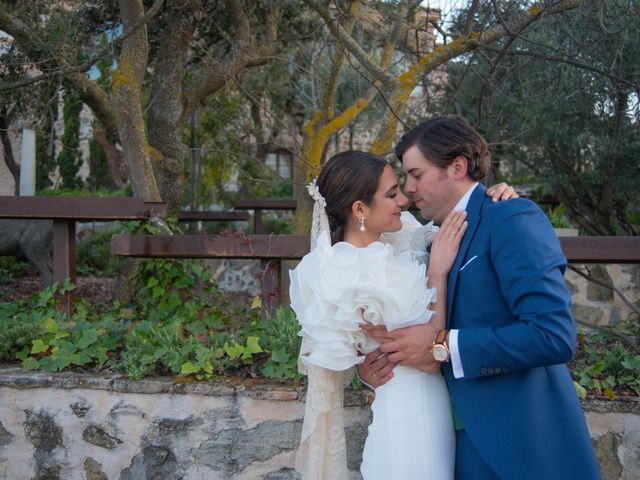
(440, 349)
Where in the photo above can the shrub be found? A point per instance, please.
(94, 256)
(180, 324)
(606, 366)
(281, 340)
(11, 267)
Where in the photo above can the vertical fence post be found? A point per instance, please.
(271, 270)
(64, 258)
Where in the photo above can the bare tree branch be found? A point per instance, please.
(352, 45)
(494, 65)
(21, 31)
(473, 9)
(628, 340)
(214, 74)
(568, 61)
(456, 48)
(617, 291)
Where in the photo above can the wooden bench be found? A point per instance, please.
(65, 212)
(269, 249)
(272, 249)
(195, 216)
(259, 205)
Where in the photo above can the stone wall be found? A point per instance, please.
(600, 305)
(70, 426)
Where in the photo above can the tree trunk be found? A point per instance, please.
(117, 168)
(126, 87)
(8, 150)
(166, 107)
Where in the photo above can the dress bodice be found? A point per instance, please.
(336, 288)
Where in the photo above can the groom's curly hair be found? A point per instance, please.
(442, 139)
(345, 178)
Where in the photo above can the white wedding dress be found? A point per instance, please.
(333, 291)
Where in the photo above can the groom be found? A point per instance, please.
(509, 325)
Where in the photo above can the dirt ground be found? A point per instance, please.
(98, 290)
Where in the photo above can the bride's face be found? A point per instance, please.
(383, 215)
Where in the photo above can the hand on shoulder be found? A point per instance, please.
(501, 191)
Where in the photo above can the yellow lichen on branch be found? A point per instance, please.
(316, 137)
(408, 80)
(349, 114)
(123, 77)
(311, 155)
(383, 143)
(154, 155)
(312, 148)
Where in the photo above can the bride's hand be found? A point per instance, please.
(376, 369)
(501, 191)
(446, 243)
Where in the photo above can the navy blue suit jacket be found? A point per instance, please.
(508, 298)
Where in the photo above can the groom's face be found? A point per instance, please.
(431, 188)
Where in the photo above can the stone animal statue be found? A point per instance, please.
(31, 239)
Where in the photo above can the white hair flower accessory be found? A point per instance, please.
(314, 192)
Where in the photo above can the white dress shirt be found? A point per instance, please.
(456, 361)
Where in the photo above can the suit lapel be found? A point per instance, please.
(474, 208)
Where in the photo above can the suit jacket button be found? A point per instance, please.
(490, 370)
(497, 370)
(505, 369)
(483, 371)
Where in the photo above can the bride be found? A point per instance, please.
(367, 265)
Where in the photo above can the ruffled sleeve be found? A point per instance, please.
(336, 289)
(414, 237)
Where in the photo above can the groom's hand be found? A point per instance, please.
(408, 346)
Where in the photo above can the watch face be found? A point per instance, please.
(440, 353)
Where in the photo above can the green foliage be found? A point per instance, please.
(280, 223)
(558, 217)
(282, 189)
(74, 192)
(216, 132)
(179, 324)
(280, 334)
(69, 159)
(45, 160)
(11, 267)
(575, 127)
(100, 173)
(42, 337)
(605, 363)
(182, 325)
(16, 331)
(185, 326)
(93, 257)
(100, 177)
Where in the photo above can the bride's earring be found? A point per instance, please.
(362, 229)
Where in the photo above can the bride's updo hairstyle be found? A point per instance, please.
(347, 177)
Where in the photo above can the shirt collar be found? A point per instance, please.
(464, 201)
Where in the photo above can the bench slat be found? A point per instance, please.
(601, 249)
(277, 204)
(213, 216)
(211, 246)
(576, 249)
(78, 208)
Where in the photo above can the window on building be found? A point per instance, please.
(281, 162)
